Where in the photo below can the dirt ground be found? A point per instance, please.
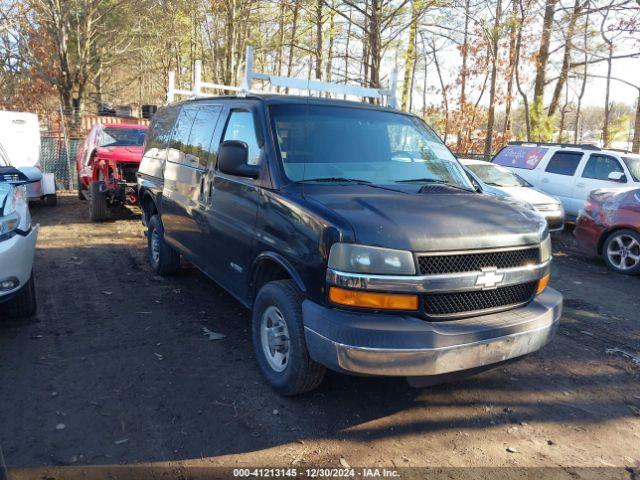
(115, 369)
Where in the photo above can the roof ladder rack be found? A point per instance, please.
(285, 82)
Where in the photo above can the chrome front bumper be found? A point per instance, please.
(392, 345)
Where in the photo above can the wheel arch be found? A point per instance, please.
(610, 231)
(269, 266)
(148, 206)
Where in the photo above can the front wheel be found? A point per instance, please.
(621, 252)
(24, 304)
(163, 259)
(279, 342)
(97, 202)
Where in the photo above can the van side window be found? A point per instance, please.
(160, 128)
(564, 163)
(180, 137)
(600, 166)
(204, 125)
(242, 127)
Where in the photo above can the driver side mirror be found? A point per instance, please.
(232, 159)
(617, 177)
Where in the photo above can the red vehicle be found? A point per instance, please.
(107, 163)
(609, 225)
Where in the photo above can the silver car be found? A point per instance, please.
(502, 182)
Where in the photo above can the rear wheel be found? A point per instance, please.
(50, 200)
(163, 259)
(24, 304)
(621, 252)
(97, 202)
(279, 342)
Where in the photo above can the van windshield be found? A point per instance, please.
(319, 143)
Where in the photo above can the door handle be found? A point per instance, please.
(580, 185)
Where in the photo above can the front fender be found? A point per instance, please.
(283, 262)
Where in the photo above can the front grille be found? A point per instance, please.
(472, 262)
(128, 173)
(462, 303)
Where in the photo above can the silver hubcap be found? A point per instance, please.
(155, 246)
(624, 252)
(274, 337)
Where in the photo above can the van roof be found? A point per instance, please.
(276, 99)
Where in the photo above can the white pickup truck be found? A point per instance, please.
(570, 172)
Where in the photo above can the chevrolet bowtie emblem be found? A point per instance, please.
(489, 278)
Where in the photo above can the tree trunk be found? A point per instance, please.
(635, 146)
(463, 76)
(445, 100)
(294, 28)
(318, 49)
(607, 105)
(410, 56)
(328, 64)
(375, 44)
(576, 127)
(488, 144)
(566, 60)
(541, 64)
(525, 100)
(512, 60)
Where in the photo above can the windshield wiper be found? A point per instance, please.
(333, 180)
(433, 180)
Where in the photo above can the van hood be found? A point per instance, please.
(426, 219)
(120, 154)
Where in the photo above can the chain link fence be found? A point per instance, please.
(58, 156)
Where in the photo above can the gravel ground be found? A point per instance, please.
(115, 369)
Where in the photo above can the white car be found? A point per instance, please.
(17, 240)
(20, 137)
(570, 172)
(500, 181)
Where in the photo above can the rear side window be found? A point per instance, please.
(182, 130)
(600, 166)
(160, 129)
(519, 156)
(564, 163)
(200, 138)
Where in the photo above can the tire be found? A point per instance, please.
(24, 304)
(298, 373)
(50, 200)
(621, 252)
(163, 259)
(81, 191)
(97, 202)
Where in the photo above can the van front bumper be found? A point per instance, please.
(396, 345)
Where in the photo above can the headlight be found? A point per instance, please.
(8, 224)
(545, 249)
(352, 258)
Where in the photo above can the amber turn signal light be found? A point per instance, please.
(542, 284)
(382, 301)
